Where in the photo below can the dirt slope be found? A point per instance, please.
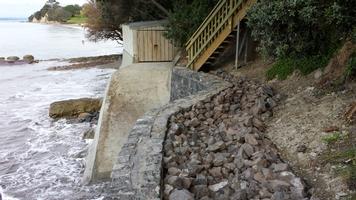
(299, 126)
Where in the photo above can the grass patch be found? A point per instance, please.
(286, 66)
(353, 197)
(79, 19)
(330, 139)
(281, 69)
(348, 173)
(346, 161)
(343, 156)
(351, 67)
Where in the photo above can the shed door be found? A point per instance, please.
(152, 46)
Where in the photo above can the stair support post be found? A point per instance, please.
(246, 46)
(237, 45)
(243, 45)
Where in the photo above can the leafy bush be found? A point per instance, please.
(59, 15)
(301, 34)
(73, 9)
(106, 17)
(287, 28)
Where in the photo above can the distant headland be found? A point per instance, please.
(53, 12)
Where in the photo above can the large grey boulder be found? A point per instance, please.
(74, 107)
(12, 59)
(29, 58)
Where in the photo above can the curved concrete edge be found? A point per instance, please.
(92, 153)
(138, 168)
(132, 91)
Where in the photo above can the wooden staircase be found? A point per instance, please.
(215, 32)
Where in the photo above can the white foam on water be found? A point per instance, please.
(5, 197)
(41, 158)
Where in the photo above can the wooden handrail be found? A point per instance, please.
(211, 37)
(208, 18)
(217, 20)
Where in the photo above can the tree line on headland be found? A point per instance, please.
(54, 12)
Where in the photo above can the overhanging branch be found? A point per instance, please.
(159, 6)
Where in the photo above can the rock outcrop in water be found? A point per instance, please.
(14, 60)
(29, 58)
(83, 109)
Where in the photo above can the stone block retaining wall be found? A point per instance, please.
(185, 83)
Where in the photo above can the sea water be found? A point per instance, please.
(41, 158)
(49, 41)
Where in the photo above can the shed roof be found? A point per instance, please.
(146, 24)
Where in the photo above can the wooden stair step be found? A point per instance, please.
(209, 63)
(226, 42)
(216, 40)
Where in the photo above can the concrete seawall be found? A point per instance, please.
(132, 91)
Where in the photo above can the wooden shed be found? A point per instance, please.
(145, 42)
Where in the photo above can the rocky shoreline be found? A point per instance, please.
(218, 150)
(14, 60)
(106, 61)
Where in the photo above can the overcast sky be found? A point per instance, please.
(24, 8)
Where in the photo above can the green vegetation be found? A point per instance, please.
(347, 163)
(73, 9)
(79, 19)
(186, 17)
(105, 17)
(331, 139)
(303, 37)
(344, 158)
(286, 66)
(351, 67)
(54, 12)
(281, 69)
(347, 171)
